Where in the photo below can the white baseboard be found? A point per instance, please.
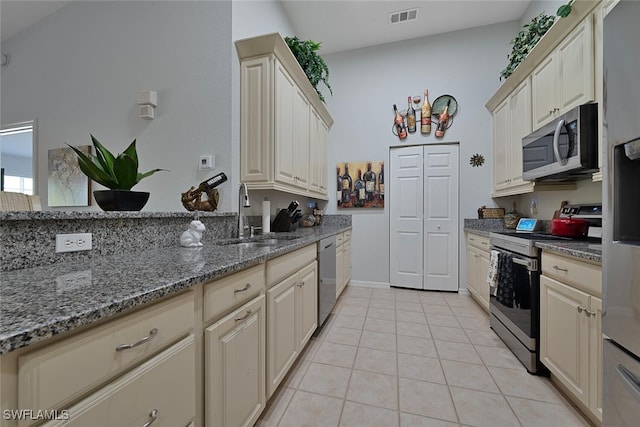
(377, 285)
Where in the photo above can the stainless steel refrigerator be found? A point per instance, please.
(621, 222)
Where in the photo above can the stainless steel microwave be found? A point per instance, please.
(565, 149)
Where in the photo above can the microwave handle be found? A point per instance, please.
(556, 146)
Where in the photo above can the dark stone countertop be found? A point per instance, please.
(580, 249)
(40, 302)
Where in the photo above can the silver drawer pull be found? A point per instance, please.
(247, 314)
(152, 333)
(555, 267)
(246, 288)
(153, 415)
(581, 309)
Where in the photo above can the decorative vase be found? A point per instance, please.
(120, 200)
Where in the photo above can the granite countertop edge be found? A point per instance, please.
(41, 302)
(578, 249)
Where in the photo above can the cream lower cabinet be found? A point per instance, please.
(571, 329)
(478, 268)
(235, 366)
(160, 392)
(292, 311)
(343, 261)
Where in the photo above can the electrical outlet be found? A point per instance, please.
(73, 242)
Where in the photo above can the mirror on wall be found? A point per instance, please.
(17, 160)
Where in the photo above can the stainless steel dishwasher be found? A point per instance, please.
(326, 278)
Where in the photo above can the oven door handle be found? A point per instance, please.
(526, 263)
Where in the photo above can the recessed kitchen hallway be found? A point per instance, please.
(398, 357)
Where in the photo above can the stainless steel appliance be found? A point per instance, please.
(326, 278)
(565, 149)
(516, 319)
(621, 231)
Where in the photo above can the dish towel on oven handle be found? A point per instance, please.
(505, 293)
(492, 276)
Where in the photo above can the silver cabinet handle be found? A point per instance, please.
(153, 415)
(246, 288)
(589, 313)
(555, 267)
(152, 334)
(581, 309)
(246, 314)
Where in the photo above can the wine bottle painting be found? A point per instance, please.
(360, 184)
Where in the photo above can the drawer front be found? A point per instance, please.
(286, 265)
(347, 235)
(222, 295)
(164, 386)
(480, 242)
(339, 239)
(65, 370)
(582, 275)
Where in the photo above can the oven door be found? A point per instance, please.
(514, 302)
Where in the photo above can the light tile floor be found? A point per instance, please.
(403, 358)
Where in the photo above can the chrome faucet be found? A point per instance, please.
(243, 202)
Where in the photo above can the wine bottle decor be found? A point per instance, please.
(358, 189)
(440, 114)
(192, 198)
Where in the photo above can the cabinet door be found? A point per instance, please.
(255, 121)
(285, 93)
(235, 367)
(482, 271)
(576, 67)
(340, 279)
(500, 144)
(544, 91)
(161, 391)
(307, 289)
(282, 348)
(315, 151)
(520, 120)
(323, 162)
(346, 261)
(595, 358)
(564, 335)
(471, 271)
(300, 139)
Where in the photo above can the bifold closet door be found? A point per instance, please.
(423, 211)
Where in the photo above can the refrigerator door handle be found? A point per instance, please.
(631, 381)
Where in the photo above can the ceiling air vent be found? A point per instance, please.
(403, 16)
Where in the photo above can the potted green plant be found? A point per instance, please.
(118, 173)
(526, 40)
(313, 65)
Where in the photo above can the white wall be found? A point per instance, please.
(537, 7)
(78, 72)
(367, 82)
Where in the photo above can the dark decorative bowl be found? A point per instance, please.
(120, 200)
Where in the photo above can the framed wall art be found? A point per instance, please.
(67, 185)
(360, 184)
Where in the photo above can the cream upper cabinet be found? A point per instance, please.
(283, 124)
(478, 268)
(235, 366)
(571, 328)
(565, 78)
(511, 122)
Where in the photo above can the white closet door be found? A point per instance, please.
(405, 198)
(441, 217)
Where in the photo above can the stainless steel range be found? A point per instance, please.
(515, 300)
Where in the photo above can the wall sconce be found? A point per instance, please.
(147, 102)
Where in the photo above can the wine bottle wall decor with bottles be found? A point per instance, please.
(360, 184)
(440, 114)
